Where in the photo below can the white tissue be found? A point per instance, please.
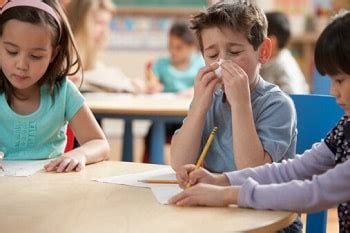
(219, 69)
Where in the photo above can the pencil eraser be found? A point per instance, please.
(219, 69)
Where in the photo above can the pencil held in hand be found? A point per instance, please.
(205, 150)
(159, 181)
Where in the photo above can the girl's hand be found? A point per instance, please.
(206, 195)
(204, 87)
(236, 83)
(72, 161)
(189, 174)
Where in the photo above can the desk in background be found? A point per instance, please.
(159, 108)
(71, 202)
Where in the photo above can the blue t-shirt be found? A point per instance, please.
(275, 121)
(41, 134)
(175, 80)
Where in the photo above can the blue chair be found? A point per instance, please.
(317, 114)
(320, 84)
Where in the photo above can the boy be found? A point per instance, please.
(256, 121)
(259, 115)
(282, 69)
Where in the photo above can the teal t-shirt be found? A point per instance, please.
(41, 134)
(175, 80)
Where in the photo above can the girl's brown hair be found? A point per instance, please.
(66, 62)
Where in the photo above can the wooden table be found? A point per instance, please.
(71, 202)
(160, 109)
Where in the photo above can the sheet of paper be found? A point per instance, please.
(162, 192)
(22, 167)
(165, 192)
(134, 179)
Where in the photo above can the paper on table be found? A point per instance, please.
(134, 179)
(161, 191)
(165, 192)
(22, 167)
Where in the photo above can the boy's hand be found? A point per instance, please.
(204, 86)
(72, 161)
(188, 174)
(206, 195)
(236, 83)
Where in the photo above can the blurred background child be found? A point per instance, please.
(282, 68)
(90, 20)
(174, 73)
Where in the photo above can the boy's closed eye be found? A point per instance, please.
(11, 52)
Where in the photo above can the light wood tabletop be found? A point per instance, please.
(161, 104)
(72, 202)
(159, 108)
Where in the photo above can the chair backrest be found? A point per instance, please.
(320, 84)
(316, 115)
(70, 140)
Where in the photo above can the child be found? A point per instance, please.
(176, 73)
(317, 180)
(282, 69)
(256, 125)
(37, 101)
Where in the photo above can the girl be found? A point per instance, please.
(317, 180)
(36, 99)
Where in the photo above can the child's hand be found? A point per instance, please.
(236, 83)
(204, 87)
(206, 195)
(71, 161)
(189, 174)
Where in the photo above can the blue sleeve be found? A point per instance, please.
(74, 101)
(276, 127)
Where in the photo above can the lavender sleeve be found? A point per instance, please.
(293, 193)
(313, 162)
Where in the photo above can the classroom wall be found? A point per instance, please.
(131, 62)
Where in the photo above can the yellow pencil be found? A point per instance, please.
(159, 181)
(205, 150)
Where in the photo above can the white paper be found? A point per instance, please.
(134, 179)
(165, 192)
(22, 167)
(162, 192)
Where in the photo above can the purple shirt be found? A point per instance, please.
(309, 183)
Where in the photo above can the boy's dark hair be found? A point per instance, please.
(181, 29)
(278, 26)
(332, 52)
(243, 16)
(67, 56)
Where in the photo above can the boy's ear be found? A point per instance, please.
(265, 51)
(55, 52)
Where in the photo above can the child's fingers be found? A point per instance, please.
(72, 165)
(178, 197)
(52, 165)
(62, 166)
(207, 69)
(79, 167)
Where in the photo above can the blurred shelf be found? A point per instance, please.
(158, 11)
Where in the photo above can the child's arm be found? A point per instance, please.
(248, 149)
(185, 143)
(93, 144)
